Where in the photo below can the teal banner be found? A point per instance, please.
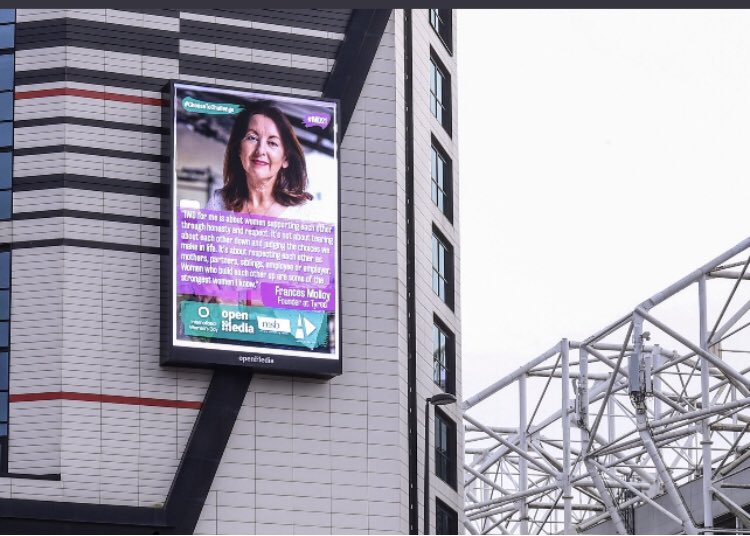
(198, 106)
(308, 329)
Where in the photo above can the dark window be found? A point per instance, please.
(4, 304)
(6, 133)
(3, 370)
(442, 268)
(445, 448)
(443, 357)
(5, 204)
(6, 72)
(440, 94)
(7, 35)
(6, 175)
(5, 261)
(442, 180)
(4, 269)
(441, 21)
(6, 170)
(446, 518)
(6, 105)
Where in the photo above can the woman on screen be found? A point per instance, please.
(240, 265)
(264, 167)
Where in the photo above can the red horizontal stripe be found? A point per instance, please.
(88, 94)
(109, 399)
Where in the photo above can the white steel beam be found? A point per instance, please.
(535, 477)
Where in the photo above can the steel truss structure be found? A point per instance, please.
(625, 422)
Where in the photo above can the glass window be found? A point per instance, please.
(7, 35)
(446, 519)
(438, 356)
(4, 304)
(435, 19)
(4, 406)
(436, 91)
(440, 171)
(6, 105)
(443, 357)
(6, 71)
(441, 21)
(7, 15)
(438, 267)
(440, 94)
(442, 269)
(4, 269)
(5, 204)
(6, 133)
(4, 370)
(445, 448)
(4, 331)
(6, 170)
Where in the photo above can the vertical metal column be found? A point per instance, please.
(567, 494)
(583, 424)
(657, 360)
(708, 516)
(610, 421)
(735, 417)
(411, 307)
(523, 509)
(583, 397)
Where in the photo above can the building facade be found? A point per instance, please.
(96, 435)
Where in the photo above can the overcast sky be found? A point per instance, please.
(603, 156)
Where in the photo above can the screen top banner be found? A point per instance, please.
(255, 231)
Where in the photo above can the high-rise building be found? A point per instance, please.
(96, 435)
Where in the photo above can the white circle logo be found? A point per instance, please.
(203, 311)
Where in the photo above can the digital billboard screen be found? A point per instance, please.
(255, 231)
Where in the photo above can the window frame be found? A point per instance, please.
(449, 353)
(452, 522)
(447, 273)
(11, 20)
(444, 103)
(445, 458)
(438, 153)
(445, 30)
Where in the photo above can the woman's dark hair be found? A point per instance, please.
(291, 182)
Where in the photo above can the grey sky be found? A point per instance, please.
(604, 155)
